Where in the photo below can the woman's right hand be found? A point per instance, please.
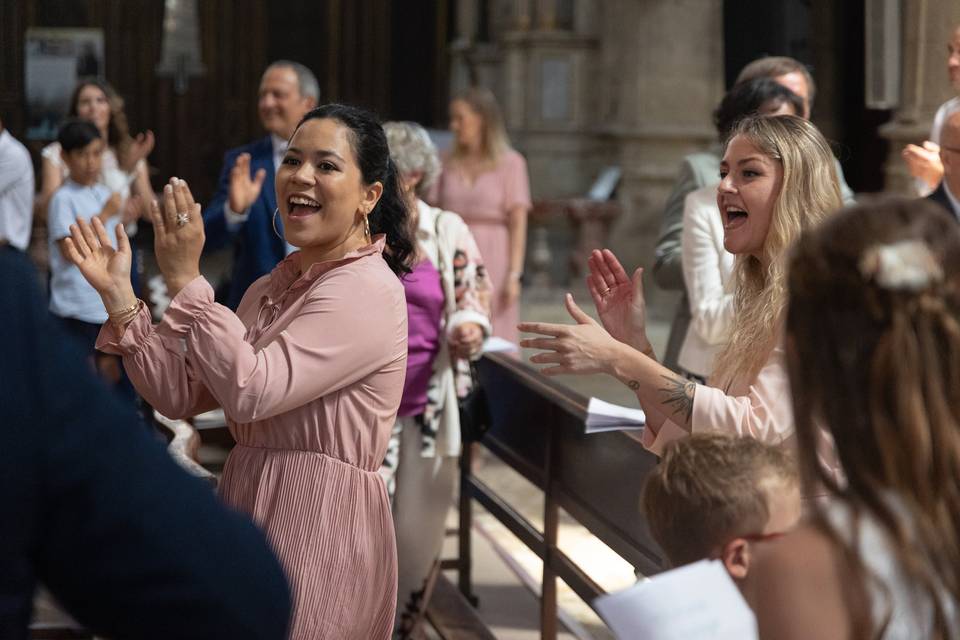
(619, 299)
(105, 268)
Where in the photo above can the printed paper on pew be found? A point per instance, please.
(605, 416)
(695, 602)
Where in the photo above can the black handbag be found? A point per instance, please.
(474, 412)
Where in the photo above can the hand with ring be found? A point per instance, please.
(618, 299)
(178, 235)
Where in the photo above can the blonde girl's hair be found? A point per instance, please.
(809, 192)
(494, 139)
(876, 364)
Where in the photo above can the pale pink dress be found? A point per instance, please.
(484, 206)
(309, 372)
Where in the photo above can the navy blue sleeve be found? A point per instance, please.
(129, 543)
(218, 234)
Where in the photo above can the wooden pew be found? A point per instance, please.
(537, 428)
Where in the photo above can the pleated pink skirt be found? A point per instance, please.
(330, 525)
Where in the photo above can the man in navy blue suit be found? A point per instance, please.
(242, 209)
(96, 510)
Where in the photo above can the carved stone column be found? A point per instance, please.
(664, 62)
(927, 25)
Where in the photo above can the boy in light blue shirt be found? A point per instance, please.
(80, 196)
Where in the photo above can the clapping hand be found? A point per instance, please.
(466, 340)
(140, 147)
(105, 268)
(924, 162)
(619, 299)
(132, 209)
(581, 348)
(178, 235)
(244, 190)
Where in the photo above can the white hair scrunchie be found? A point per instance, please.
(908, 265)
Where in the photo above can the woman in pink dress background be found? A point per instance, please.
(485, 181)
(309, 371)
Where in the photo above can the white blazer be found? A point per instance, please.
(707, 273)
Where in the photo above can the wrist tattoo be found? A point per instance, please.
(633, 384)
(678, 395)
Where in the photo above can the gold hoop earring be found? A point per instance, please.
(366, 225)
(273, 221)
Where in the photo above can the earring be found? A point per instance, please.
(273, 221)
(366, 225)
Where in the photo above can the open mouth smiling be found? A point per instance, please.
(734, 217)
(301, 206)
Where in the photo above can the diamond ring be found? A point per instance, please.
(182, 219)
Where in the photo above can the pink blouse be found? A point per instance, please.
(761, 408)
(285, 367)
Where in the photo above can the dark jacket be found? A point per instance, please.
(940, 196)
(96, 510)
(257, 248)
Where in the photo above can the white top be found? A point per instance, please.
(910, 612)
(16, 192)
(71, 296)
(708, 275)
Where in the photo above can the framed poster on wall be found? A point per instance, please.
(55, 59)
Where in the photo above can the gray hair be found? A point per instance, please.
(412, 150)
(306, 81)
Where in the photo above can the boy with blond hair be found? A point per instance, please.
(714, 495)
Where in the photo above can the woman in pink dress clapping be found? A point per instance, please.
(309, 371)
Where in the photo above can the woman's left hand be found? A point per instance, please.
(178, 235)
(466, 340)
(140, 147)
(585, 347)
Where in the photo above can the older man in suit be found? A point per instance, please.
(242, 209)
(947, 194)
(95, 509)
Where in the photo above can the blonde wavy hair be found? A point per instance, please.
(809, 192)
(494, 139)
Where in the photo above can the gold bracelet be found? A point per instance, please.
(122, 317)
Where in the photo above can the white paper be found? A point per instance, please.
(495, 344)
(605, 416)
(696, 602)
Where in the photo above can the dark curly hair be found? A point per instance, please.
(369, 143)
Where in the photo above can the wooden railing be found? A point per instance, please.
(537, 428)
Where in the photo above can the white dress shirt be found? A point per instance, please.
(16, 192)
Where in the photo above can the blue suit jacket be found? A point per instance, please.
(95, 509)
(257, 248)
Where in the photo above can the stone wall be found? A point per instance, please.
(624, 82)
